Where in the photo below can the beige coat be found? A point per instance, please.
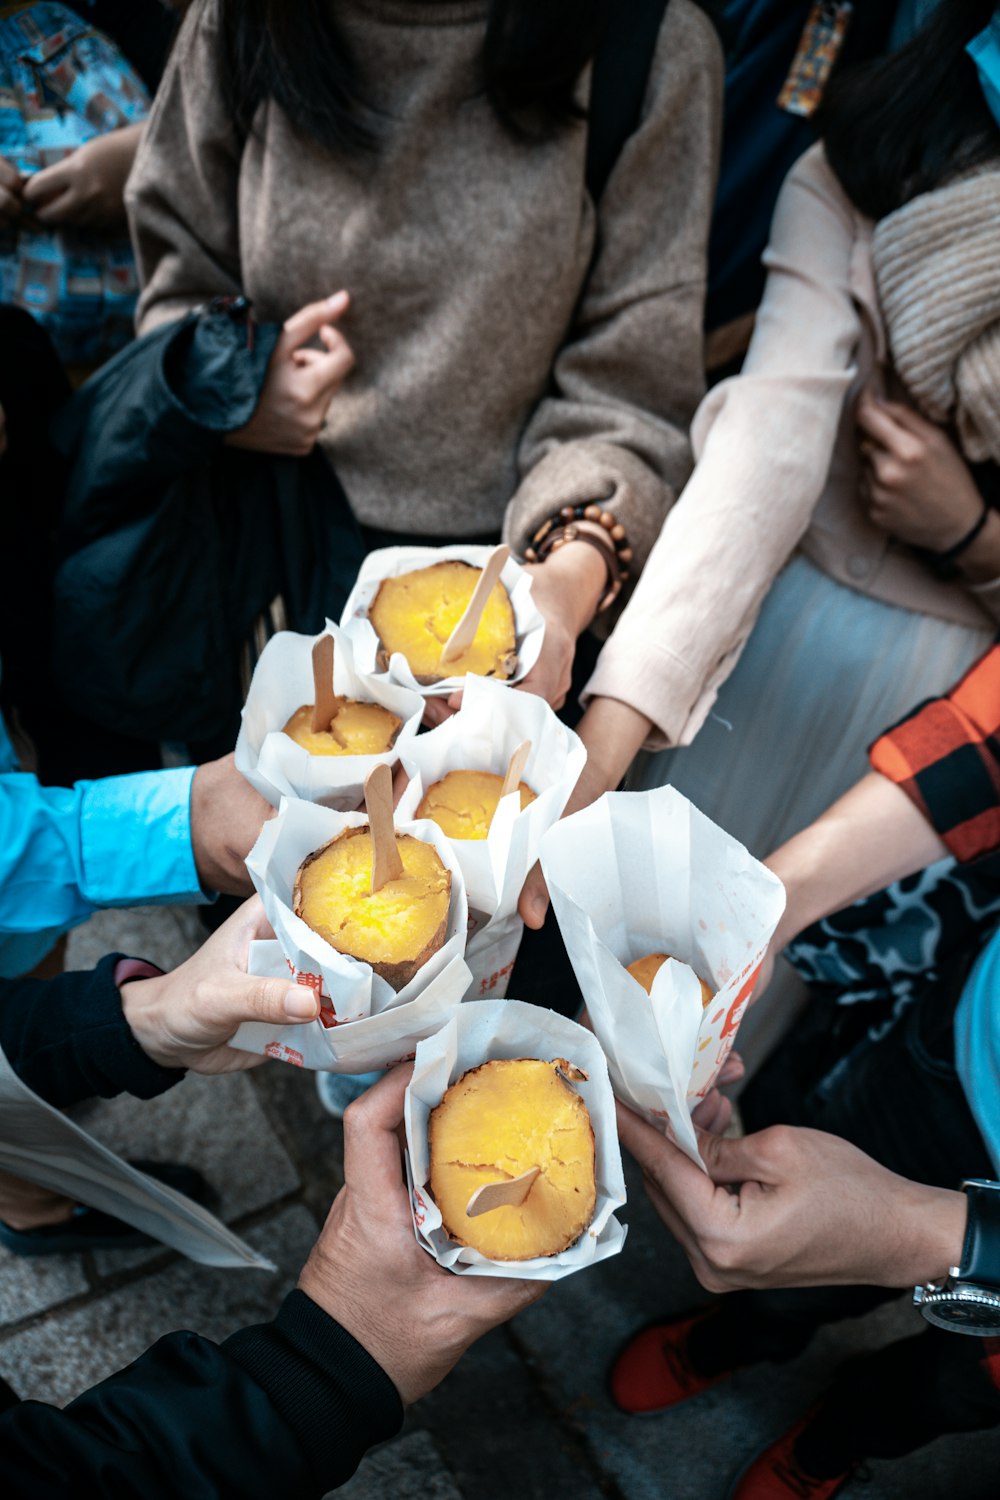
(777, 468)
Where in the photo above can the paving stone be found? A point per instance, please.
(499, 1434)
(165, 935)
(408, 1468)
(214, 1124)
(60, 1356)
(31, 1286)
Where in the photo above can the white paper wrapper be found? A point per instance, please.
(379, 1041)
(479, 1032)
(646, 872)
(282, 682)
(482, 736)
(391, 562)
(352, 988)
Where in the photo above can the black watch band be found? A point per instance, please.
(981, 1247)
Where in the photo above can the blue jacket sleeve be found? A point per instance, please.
(286, 1408)
(65, 852)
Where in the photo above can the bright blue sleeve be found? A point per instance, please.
(121, 841)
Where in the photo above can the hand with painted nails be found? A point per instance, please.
(301, 382)
(185, 1019)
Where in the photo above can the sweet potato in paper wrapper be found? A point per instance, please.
(271, 760)
(643, 872)
(393, 562)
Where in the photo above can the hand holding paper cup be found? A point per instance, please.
(314, 725)
(638, 874)
(432, 617)
(457, 773)
(512, 1144)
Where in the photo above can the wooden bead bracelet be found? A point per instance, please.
(600, 529)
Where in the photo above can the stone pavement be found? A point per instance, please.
(526, 1414)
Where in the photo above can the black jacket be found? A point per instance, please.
(285, 1408)
(173, 544)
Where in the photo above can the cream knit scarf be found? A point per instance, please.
(937, 267)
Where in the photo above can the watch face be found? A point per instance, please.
(963, 1315)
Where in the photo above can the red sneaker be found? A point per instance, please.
(776, 1474)
(653, 1371)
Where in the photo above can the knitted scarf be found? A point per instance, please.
(937, 268)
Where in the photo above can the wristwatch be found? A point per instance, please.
(968, 1299)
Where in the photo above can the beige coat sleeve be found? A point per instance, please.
(764, 442)
(182, 196)
(629, 379)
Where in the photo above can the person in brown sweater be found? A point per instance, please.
(472, 342)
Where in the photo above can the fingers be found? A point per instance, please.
(732, 1069)
(713, 1114)
(873, 419)
(42, 187)
(436, 711)
(307, 322)
(674, 1173)
(273, 1001)
(372, 1166)
(533, 904)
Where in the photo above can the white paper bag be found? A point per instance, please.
(282, 682)
(326, 1046)
(350, 987)
(482, 736)
(646, 872)
(479, 1032)
(391, 562)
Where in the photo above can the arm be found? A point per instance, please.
(792, 1207)
(764, 441)
(625, 386)
(153, 837)
(182, 196)
(934, 790)
(291, 1406)
(102, 1033)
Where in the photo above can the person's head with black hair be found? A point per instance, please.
(903, 125)
(292, 51)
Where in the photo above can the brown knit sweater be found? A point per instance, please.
(493, 361)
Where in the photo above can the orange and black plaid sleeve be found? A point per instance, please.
(946, 757)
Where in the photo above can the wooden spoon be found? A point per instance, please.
(510, 1194)
(386, 863)
(515, 768)
(324, 698)
(464, 633)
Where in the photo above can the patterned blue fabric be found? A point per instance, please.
(62, 84)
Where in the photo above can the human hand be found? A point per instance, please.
(184, 1019)
(11, 186)
(87, 188)
(367, 1271)
(612, 732)
(300, 382)
(916, 483)
(226, 817)
(566, 590)
(792, 1207)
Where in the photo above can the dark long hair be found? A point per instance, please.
(903, 125)
(292, 51)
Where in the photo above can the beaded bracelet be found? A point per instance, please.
(600, 529)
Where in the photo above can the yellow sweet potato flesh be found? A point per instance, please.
(417, 612)
(463, 803)
(646, 969)
(495, 1123)
(356, 729)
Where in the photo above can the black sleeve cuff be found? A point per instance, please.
(67, 1039)
(325, 1385)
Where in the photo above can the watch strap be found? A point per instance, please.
(981, 1248)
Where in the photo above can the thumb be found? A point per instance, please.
(307, 322)
(271, 1000)
(731, 1159)
(534, 901)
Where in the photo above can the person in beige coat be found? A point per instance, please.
(796, 599)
